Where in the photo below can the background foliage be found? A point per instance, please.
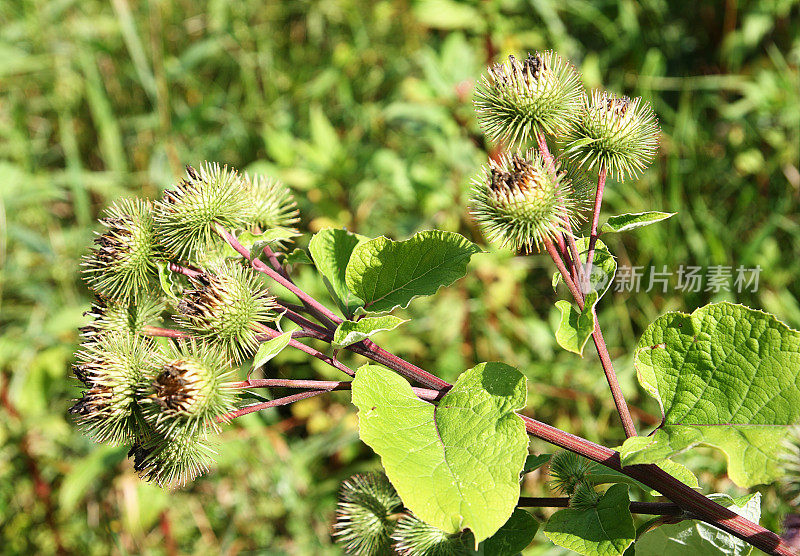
(364, 108)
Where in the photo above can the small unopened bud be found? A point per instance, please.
(516, 100)
(272, 201)
(122, 264)
(568, 470)
(172, 460)
(584, 497)
(112, 370)
(364, 517)
(211, 195)
(413, 536)
(614, 133)
(225, 307)
(518, 202)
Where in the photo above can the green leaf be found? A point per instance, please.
(626, 222)
(534, 462)
(351, 332)
(691, 537)
(725, 376)
(331, 249)
(255, 243)
(298, 256)
(165, 280)
(600, 276)
(606, 530)
(575, 328)
(388, 274)
(516, 534)
(455, 465)
(269, 349)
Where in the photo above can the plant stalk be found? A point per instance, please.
(649, 508)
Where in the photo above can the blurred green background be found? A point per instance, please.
(364, 109)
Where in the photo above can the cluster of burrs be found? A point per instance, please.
(166, 398)
(536, 195)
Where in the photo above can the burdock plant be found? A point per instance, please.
(453, 454)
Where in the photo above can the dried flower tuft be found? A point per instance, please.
(189, 391)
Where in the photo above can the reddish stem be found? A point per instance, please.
(164, 332)
(261, 267)
(422, 393)
(598, 201)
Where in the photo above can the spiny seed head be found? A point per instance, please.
(122, 264)
(413, 537)
(225, 307)
(519, 203)
(211, 195)
(516, 100)
(112, 370)
(188, 391)
(568, 470)
(273, 203)
(130, 317)
(173, 459)
(366, 504)
(790, 463)
(585, 497)
(615, 133)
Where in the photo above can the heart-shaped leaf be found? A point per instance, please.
(388, 274)
(350, 332)
(270, 348)
(456, 465)
(331, 250)
(626, 222)
(725, 376)
(605, 530)
(691, 537)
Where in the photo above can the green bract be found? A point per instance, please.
(122, 264)
(186, 216)
(519, 203)
(226, 308)
(188, 392)
(112, 369)
(613, 133)
(516, 100)
(364, 519)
